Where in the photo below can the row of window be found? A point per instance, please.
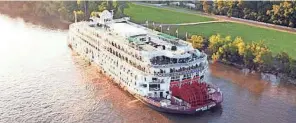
(89, 32)
(112, 67)
(123, 74)
(121, 68)
(185, 76)
(124, 50)
(87, 41)
(128, 51)
(122, 57)
(138, 57)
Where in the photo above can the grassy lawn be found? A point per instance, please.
(140, 14)
(276, 40)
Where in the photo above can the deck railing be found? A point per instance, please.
(157, 103)
(179, 73)
(195, 60)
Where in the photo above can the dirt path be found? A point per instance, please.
(186, 24)
(254, 23)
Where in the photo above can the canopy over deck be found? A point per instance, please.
(167, 36)
(126, 30)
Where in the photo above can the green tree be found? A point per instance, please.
(63, 12)
(103, 6)
(293, 69)
(248, 58)
(199, 5)
(283, 14)
(268, 63)
(283, 62)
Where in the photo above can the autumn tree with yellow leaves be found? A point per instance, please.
(255, 55)
(198, 42)
(226, 49)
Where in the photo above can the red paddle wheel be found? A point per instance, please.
(195, 94)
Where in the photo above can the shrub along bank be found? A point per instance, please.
(254, 55)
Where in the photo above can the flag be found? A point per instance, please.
(112, 12)
(168, 28)
(160, 26)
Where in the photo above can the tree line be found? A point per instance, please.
(274, 12)
(63, 9)
(255, 55)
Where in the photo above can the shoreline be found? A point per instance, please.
(48, 22)
(280, 77)
(56, 23)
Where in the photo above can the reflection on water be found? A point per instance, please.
(41, 80)
(253, 83)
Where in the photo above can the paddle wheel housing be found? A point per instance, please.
(194, 93)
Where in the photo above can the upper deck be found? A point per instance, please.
(157, 48)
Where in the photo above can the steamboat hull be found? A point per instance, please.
(191, 111)
(203, 108)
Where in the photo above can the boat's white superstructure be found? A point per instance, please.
(147, 63)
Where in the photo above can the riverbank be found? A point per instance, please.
(48, 22)
(56, 23)
(268, 77)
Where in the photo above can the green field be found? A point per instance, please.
(276, 40)
(140, 14)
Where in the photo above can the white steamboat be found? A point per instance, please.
(162, 71)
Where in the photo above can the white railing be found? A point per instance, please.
(157, 81)
(180, 73)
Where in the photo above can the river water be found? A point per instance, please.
(42, 80)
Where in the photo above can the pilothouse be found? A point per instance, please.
(162, 71)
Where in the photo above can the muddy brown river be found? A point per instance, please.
(42, 80)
